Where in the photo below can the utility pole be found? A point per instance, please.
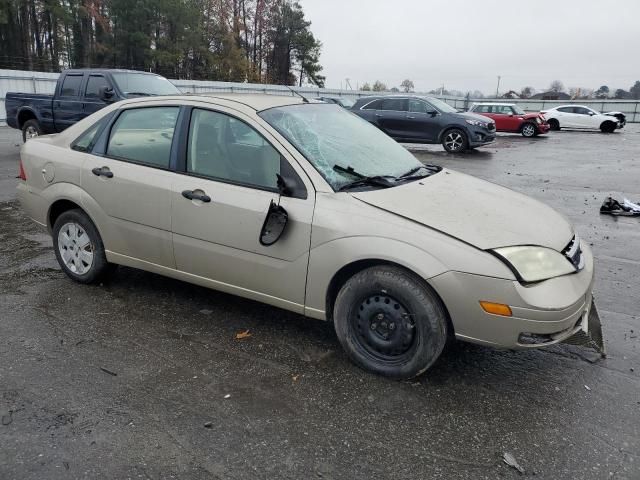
(498, 87)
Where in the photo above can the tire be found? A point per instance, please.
(529, 130)
(608, 127)
(554, 124)
(31, 129)
(82, 262)
(455, 141)
(389, 322)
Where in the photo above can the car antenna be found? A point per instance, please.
(304, 99)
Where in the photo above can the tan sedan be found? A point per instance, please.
(307, 207)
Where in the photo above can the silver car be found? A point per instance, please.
(307, 207)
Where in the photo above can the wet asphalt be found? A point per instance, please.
(143, 377)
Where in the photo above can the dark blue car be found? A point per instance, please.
(78, 94)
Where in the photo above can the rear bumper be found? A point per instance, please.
(542, 314)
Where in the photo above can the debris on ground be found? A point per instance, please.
(587, 387)
(106, 370)
(205, 311)
(611, 206)
(241, 335)
(208, 425)
(295, 377)
(7, 419)
(228, 395)
(512, 462)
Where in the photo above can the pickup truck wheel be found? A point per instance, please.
(389, 322)
(78, 247)
(529, 130)
(554, 124)
(608, 127)
(455, 140)
(30, 129)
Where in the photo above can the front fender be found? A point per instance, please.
(329, 258)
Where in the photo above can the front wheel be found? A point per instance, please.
(31, 129)
(78, 247)
(608, 127)
(389, 322)
(529, 130)
(554, 124)
(455, 140)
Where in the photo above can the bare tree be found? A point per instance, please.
(556, 86)
(378, 86)
(407, 86)
(526, 92)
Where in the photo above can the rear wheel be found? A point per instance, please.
(389, 322)
(31, 129)
(529, 130)
(554, 124)
(455, 140)
(78, 247)
(608, 127)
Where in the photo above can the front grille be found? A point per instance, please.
(491, 127)
(574, 253)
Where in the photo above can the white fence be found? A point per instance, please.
(45, 82)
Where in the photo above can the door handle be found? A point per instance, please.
(193, 195)
(411, 117)
(378, 115)
(102, 172)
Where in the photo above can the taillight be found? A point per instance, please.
(22, 175)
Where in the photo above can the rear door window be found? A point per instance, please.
(71, 85)
(375, 105)
(394, 104)
(144, 135)
(566, 109)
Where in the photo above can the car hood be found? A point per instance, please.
(477, 212)
(530, 115)
(474, 116)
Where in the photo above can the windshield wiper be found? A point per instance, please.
(142, 94)
(376, 180)
(412, 173)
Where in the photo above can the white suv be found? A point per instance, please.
(579, 116)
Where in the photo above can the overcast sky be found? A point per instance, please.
(465, 44)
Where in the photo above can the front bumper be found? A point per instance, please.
(479, 136)
(543, 128)
(544, 313)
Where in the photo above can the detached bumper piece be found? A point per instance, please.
(611, 206)
(590, 333)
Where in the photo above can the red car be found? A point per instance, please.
(511, 118)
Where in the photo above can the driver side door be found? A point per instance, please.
(228, 170)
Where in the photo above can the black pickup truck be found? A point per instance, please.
(79, 93)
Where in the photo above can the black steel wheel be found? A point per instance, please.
(389, 322)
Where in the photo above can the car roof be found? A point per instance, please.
(495, 103)
(255, 101)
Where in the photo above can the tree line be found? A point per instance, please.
(260, 41)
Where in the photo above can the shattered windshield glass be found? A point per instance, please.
(328, 135)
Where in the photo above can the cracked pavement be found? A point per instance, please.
(142, 376)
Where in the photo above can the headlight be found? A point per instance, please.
(538, 120)
(477, 123)
(533, 264)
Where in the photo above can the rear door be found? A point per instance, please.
(392, 117)
(128, 177)
(567, 117)
(92, 101)
(216, 237)
(67, 106)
